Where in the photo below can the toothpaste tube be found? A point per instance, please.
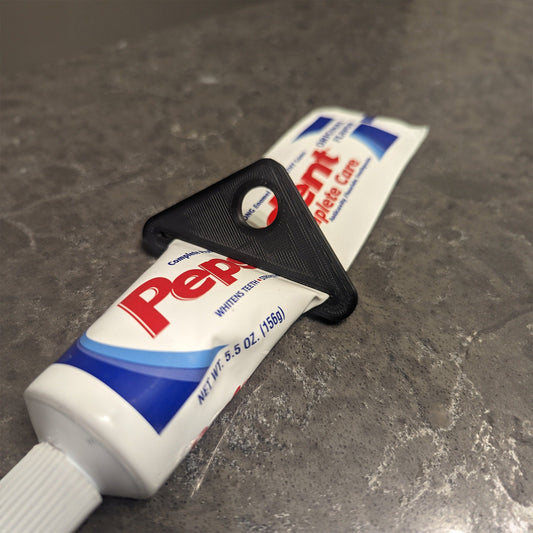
(128, 400)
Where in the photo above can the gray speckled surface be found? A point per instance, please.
(416, 413)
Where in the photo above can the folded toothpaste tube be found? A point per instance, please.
(129, 399)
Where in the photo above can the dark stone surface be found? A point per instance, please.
(416, 413)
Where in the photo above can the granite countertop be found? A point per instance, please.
(414, 414)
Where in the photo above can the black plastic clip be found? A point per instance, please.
(292, 246)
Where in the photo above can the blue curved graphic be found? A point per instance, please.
(377, 140)
(156, 384)
(196, 359)
(317, 125)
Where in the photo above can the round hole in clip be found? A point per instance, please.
(259, 207)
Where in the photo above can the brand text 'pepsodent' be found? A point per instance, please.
(141, 302)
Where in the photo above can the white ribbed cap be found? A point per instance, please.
(45, 492)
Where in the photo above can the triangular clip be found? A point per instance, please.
(292, 246)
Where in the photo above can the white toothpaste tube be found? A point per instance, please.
(129, 399)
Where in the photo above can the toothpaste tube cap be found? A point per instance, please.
(45, 492)
(291, 246)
